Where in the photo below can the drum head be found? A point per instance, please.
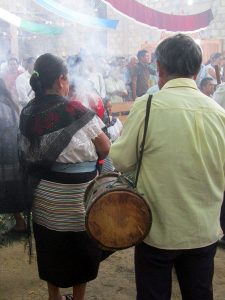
(118, 219)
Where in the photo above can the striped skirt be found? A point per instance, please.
(60, 206)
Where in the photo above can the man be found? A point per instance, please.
(23, 87)
(181, 176)
(141, 75)
(131, 66)
(11, 75)
(216, 59)
(207, 86)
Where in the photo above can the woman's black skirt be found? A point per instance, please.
(66, 259)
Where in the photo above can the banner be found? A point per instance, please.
(28, 25)
(154, 18)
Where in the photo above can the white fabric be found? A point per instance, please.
(112, 85)
(23, 88)
(81, 147)
(219, 95)
(115, 130)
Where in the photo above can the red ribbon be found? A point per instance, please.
(154, 18)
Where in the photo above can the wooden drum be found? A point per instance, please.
(117, 217)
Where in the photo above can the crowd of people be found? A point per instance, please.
(119, 79)
(58, 133)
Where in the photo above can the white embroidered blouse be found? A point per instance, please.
(81, 147)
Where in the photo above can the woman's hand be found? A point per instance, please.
(102, 145)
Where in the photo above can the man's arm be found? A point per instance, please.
(124, 150)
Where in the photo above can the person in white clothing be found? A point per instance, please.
(23, 87)
(115, 87)
(219, 95)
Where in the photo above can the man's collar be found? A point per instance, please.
(180, 82)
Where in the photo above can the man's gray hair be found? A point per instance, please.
(131, 57)
(179, 55)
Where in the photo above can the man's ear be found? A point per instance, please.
(162, 75)
(160, 69)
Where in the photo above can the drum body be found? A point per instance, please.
(116, 216)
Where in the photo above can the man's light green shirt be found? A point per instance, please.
(182, 172)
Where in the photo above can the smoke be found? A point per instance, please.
(78, 42)
(89, 61)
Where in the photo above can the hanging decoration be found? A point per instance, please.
(28, 25)
(148, 16)
(73, 16)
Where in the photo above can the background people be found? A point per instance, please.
(10, 76)
(60, 143)
(114, 125)
(141, 75)
(207, 86)
(215, 59)
(181, 177)
(11, 191)
(115, 86)
(132, 62)
(25, 93)
(114, 128)
(219, 95)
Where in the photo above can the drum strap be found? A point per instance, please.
(148, 106)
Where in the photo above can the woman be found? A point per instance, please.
(60, 143)
(11, 193)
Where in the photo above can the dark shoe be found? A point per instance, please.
(221, 242)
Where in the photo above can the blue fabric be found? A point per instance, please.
(88, 166)
(73, 16)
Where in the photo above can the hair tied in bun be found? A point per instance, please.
(36, 73)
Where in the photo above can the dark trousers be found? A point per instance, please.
(222, 215)
(194, 268)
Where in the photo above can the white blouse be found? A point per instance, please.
(81, 147)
